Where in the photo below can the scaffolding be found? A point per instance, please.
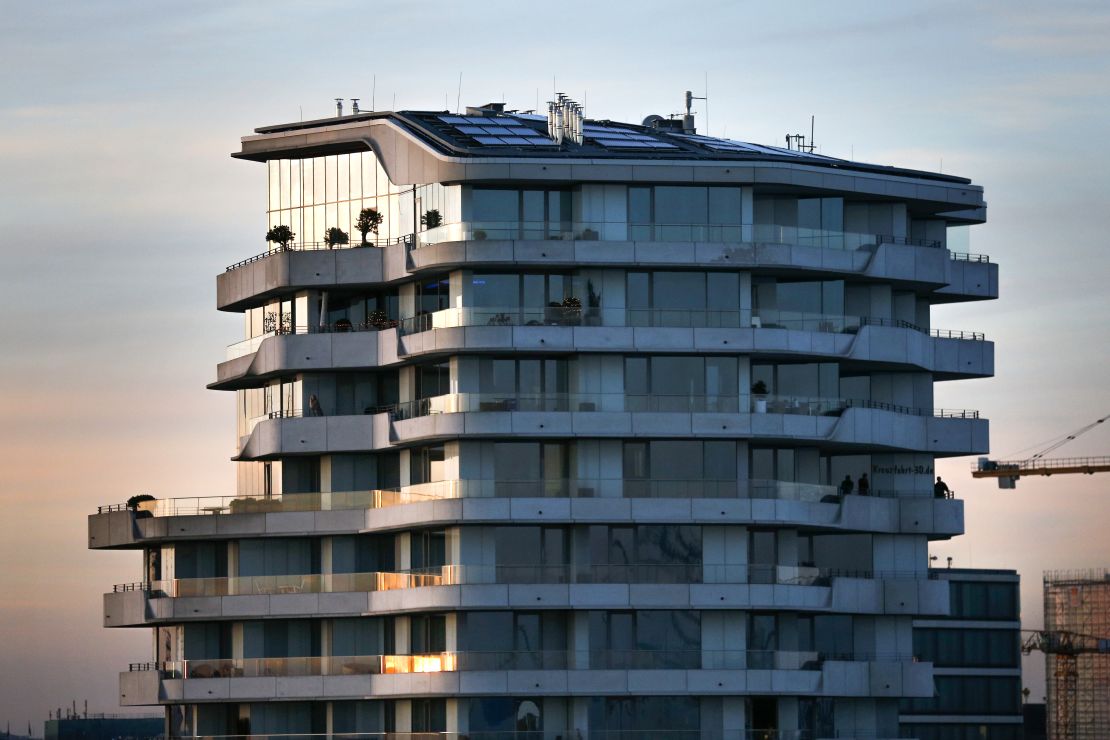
(1078, 602)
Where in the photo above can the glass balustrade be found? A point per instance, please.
(500, 488)
(507, 660)
(660, 232)
(453, 575)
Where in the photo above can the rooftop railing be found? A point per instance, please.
(656, 232)
(500, 488)
(967, 257)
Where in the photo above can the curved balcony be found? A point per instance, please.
(571, 672)
(453, 502)
(840, 422)
(856, 340)
(921, 263)
(798, 588)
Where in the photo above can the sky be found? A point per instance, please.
(121, 205)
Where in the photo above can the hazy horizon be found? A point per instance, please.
(122, 205)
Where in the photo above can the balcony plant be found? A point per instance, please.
(572, 311)
(133, 505)
(378, 319)
(335, 237)
(431, 219)
(368, 222)
(759, 396)
(281, 235)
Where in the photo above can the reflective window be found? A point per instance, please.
(681, 299)
(980, 648)
(279, 556)
(359, 636)
(983, 600)
(362, 553)
(498, 715)
(281, 638)
(652, 639)
(358, 717)
(969, 695)
(653, 714)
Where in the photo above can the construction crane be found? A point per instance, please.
(1066, 647)
(1008, 471)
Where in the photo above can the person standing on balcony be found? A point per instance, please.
(864, 486)
(846, 486)
(940, 489)
(314, 408)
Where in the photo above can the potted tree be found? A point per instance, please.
(431, 219)
(759, 396)
(281, 235)
(335, 237)
(133, 505)
(368, 221)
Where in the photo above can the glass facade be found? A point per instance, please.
(315, 194)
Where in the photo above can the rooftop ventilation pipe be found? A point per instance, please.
(338, 107)
(354, 106)
(564, 120)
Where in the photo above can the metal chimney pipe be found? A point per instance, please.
(339, 106)
(354, 106)
(551, 119)
(581, 121)
(558, 126)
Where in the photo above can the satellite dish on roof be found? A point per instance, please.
(653, 119)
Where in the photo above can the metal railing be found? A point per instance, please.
(966, 257)
(656, 232)
(356, 243)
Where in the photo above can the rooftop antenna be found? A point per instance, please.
(394, 101)
(458, 95)
(708, 132)
(374, 94)
(688, 119)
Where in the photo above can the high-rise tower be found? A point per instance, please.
(560, 449)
